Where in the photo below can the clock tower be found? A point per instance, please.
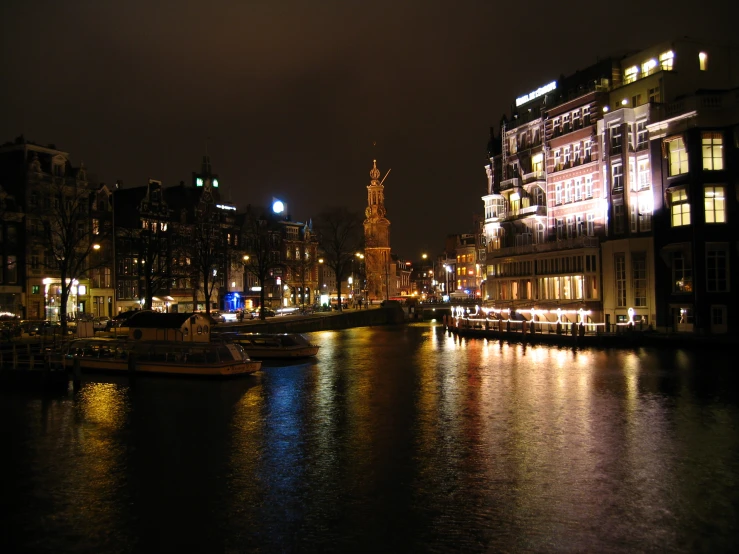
(377, 258)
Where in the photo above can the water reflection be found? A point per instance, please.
(397, 437)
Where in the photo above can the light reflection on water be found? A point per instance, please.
(402, 437)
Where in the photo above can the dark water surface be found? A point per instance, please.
(395, 439)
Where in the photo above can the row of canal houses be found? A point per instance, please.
(613, 192)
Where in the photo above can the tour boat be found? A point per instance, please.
(208, 359)
(264, 346)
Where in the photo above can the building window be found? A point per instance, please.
(644, 174)
(679, 207)
(666, 60)
(713, 151)
(715, 204)
(648, 67)
(35, 289)
(12, 270)
(568, 191)
(634, 215)
(677, 156)
(570, 227)
(578, 189)
(639, 274)
(617, 177)
(631, 74)
(717, 269)
(682, 273)
(34, 261)
(588, 186)
(618, 218)
(580, 226)
(591, 225)
(558, 193)
(703, 61)
(95, 226)
(642, 135)
(560, 228)
(653, 94)
(616, 144)
(620, 265)
(566, 155)
(645, 212)
(588, 148)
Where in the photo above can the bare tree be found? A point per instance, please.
(207, 250)
(262, 250)
(340, 234)
(66, 236)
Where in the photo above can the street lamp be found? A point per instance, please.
(448, 271)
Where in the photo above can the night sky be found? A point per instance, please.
(289, 96)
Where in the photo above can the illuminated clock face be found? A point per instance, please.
(215, 183)
(278, 207)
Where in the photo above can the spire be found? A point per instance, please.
(206, 165)
(374, 172)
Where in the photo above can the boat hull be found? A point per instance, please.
(164, 358)
(275, 346)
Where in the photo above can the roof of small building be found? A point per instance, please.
(156, 320)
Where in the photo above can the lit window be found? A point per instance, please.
(703, 61)
(631, 74)
(713, 158)
(642, 135)
(644, 174)
(678, 156)
(679, 207)
(647, 68)
(558, 193)
(588, 186)
(666, 60)
(615, 132)
(645, 212)
(715, 202)
(591, 225)
(617, 176)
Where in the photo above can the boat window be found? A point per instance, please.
(205, 329)
(200, 329)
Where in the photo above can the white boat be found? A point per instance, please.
(264, 346)
(208, 359)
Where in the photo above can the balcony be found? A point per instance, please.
(534, 177)
(562, 244)
(510, 183)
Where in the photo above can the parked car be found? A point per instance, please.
(268, 312)
(101, 323)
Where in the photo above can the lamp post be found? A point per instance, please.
(448, 271)
(245, 259)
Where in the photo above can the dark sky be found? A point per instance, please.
(293, 93)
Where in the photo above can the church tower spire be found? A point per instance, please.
(377, 256)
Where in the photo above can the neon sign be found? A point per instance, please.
(536, 93)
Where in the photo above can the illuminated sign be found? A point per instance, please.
(536, 93)
(225, 207)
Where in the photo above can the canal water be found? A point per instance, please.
(394, 439)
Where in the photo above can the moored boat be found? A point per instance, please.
(263, 346)
(208, 359)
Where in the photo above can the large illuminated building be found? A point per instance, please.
(585, 210)
(377, 257)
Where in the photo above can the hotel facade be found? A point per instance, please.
(592, 182)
